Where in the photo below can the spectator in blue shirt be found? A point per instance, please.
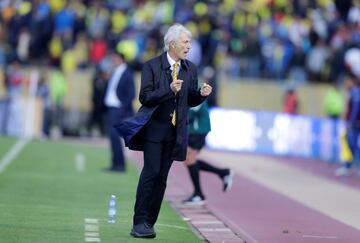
(64, 21)
(352, 119)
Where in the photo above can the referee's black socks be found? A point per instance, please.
(207, 167)
(194, 174)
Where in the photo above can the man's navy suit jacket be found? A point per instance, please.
(155, 89)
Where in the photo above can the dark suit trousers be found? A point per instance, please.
(152, 182)
(117, 160)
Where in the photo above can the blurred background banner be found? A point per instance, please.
(275, 134)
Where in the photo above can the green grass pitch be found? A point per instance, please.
(44, 199)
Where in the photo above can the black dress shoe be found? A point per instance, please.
(143, 231)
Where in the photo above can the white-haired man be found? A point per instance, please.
(169, 87)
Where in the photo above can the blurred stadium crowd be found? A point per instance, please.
(298, 40)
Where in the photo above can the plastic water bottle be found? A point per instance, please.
(112, 210)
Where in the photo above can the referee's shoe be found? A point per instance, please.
(228, 180)
(197, 200)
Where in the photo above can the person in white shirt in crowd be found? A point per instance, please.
(119, 96)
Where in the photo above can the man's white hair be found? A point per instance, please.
(174, 33)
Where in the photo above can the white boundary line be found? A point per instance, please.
(215, 230)
(91, 239)
(172, 226)
(91, 228)
(80, 162)
(92, 232)
(207, 222)
(12, 153)
(320, 237)
(91, 221)
(232, 225)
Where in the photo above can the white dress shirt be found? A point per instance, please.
(172, 62)
(111, 99)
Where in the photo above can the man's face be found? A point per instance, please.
(349, 83)
(181, 47)
(116, 60)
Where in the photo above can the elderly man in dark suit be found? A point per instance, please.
(169, 86)
(118, 99)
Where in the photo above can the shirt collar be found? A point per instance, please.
(171, 61)
(120, 67)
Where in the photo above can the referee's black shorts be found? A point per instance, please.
(197, 141)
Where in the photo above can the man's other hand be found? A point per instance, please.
(205, 89)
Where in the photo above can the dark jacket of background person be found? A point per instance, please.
(352, 115)
(125, 92)
(155, 90)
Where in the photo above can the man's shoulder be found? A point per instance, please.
(189, 64)
(154, 61)
(128, 71)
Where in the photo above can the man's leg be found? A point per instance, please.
(148, 176)
(118, 161)
(160, 183)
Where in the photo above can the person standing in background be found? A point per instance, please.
(291, 102)
(334, 102)
(118, 99)
(58, 90)
(43, 94)
(352, 119)
(97, 117)
(14, 83)
(199, 127)
(334, 105)
(14, 79)
(169, 86)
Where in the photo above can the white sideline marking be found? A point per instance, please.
(92, 234)
(80, 162)
(207, 222)
(91, 221)
(91, 227)
(12, 153)
(320, 237)
(91, 239)
(215, 230)
(172, 226)
(223, 230)
(247, 235)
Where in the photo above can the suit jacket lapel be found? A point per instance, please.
(181, 76)
(119, 85)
